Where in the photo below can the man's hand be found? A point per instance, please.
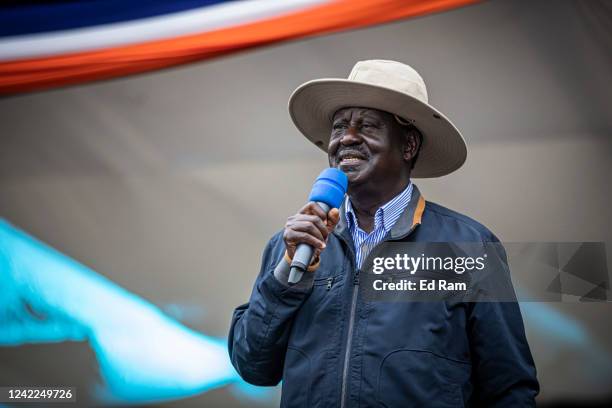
(309, 226)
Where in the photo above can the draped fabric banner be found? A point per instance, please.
(44, 46)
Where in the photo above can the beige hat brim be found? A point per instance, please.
(313, 104)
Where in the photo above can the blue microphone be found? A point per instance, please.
(327, 191)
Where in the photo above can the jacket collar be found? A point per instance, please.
(410, 218)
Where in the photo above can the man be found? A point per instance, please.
(331, 346)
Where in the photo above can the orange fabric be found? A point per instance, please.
(49, 72)
(418, 212)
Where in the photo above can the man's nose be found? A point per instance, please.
(351, 136)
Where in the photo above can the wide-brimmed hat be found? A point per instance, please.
(388, 86)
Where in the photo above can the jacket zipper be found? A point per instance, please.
(330, 282)
(349, 339)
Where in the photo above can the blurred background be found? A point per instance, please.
(165, 186)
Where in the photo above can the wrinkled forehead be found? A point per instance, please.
(358, 112)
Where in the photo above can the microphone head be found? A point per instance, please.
(329, 188)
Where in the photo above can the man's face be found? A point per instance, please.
(365, 145)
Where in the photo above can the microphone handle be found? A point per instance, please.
(303, 256)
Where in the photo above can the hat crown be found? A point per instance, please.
(392, 75)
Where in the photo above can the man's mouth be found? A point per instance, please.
(350, 158)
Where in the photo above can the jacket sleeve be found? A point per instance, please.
(260, 329)
(504, 374)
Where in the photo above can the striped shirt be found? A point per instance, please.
(384, 219)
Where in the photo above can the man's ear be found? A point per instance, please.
(411, 145)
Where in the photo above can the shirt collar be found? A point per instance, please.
(386, 215)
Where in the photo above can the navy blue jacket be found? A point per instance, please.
(332, 348)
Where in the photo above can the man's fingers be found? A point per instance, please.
(318, 223)
(299, 222)
(333, 216)
(310, 228)
(313, 208)
(295, 238)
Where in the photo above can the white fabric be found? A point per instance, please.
(148, 29)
